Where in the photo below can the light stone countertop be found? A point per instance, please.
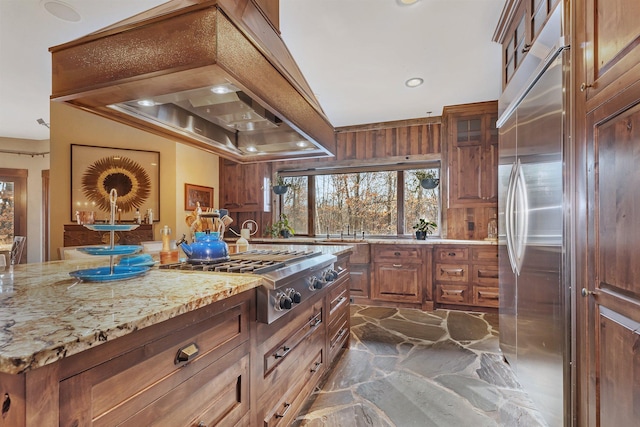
(47, 315)
(372, 240)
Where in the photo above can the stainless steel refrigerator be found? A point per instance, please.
(535, 324)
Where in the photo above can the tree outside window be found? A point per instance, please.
(361, 201)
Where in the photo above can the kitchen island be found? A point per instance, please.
(170, 346)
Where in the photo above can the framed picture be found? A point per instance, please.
(135, 174)
(194, 194)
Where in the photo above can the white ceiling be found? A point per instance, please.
(355, 54)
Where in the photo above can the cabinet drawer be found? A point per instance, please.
(452, 272)
(146, 373)
(338, 298)
(488, 255)
(282, 351)
(485, 274)
(338, 334)
(486, 296)
(287, 407)
(451, 254)
(397, 253)
(452, 294)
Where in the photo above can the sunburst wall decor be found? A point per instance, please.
(133, 173)
(129, 179)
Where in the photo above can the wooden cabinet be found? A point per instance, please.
(606, 60)
(517, 33)
(472, 154)
(611, 47)
(609, 276)
(338, 313)
(466, 275)
(290, 357)
(245, 187)
(188, 370)
(78, 235)
(399, 274)
(359, 262)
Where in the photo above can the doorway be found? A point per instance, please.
(13, 207)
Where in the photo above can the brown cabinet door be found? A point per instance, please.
(473, 156)
(609, 311)
(245, 187)
(611, 46)
(398, 282)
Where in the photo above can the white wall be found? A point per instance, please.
(35, 165)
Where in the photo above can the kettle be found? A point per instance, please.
(206, 249)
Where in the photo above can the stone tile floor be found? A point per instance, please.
(407, 367)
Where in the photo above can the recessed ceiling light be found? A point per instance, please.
(407, 2)
(414, 82)
(146, 103)
(251, 149)
(301, 144)
(61, 10)
(221, 89)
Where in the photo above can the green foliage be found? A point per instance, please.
(425, 226)
(277, 227)
(422, 174)
(280, 181)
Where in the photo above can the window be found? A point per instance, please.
(357, 202)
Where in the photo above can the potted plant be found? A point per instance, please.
(427, 179)
(280, 186)
(424, 228)
(281, 228)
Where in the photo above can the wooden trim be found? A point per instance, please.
(506, 19)
(374, 165)
(45, 215)
(388, 125)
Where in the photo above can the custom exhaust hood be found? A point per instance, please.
(196, 71)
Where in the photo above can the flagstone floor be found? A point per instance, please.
(407, 367)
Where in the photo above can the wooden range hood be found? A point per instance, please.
(156, 71)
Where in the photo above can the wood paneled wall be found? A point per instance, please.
(378, 143)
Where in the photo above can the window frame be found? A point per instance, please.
(400, 196)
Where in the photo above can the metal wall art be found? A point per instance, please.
(135, 174)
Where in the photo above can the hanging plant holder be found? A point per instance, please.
(280, 189)
(429, 183)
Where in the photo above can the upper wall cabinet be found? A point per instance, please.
(245, 187)
(611, 47)
(520, 24)
(472, 154)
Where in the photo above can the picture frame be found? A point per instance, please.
(134, 173)
(197, 193)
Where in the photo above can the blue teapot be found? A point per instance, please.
(207, 248)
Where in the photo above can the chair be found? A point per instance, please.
(17, 248)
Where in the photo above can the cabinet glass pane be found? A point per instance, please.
(469, 130)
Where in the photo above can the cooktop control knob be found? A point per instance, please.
(283, 302)
(330, 275)
(294, 295)
(315, 283)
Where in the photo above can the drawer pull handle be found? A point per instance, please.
(315, 321)
(202, 424)
(285, 351)
(488, 275)
(186, 353)
(452, 271)
(397, 265)
(451, 254)
(341, 334)
(488, 295)
(287, 406)
(316, 366)
(397, 253)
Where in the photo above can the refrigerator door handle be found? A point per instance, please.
(521, 216)
(509, 216)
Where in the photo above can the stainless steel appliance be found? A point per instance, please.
(535, 326)
(289, 276)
